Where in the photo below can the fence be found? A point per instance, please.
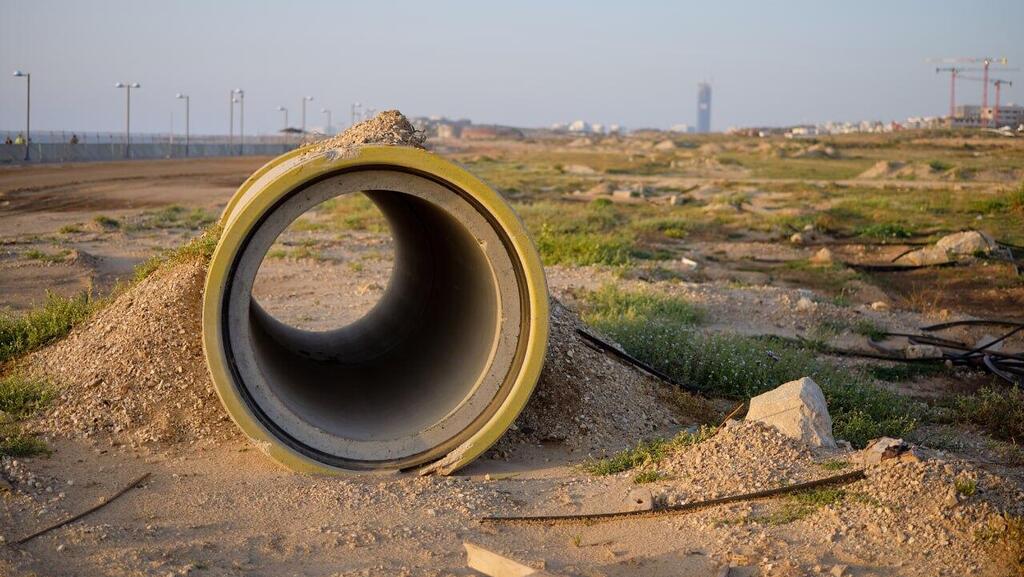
(94, 152)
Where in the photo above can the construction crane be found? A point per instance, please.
(998, 83)
(985, 61)
(954, 73)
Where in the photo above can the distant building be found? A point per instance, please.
(681, 128)
(703, 107)
(579, 126)
(969, 115)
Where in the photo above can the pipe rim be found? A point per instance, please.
(272, 183)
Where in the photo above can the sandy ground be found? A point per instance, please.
(221, 508)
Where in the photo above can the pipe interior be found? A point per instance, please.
(401, 379)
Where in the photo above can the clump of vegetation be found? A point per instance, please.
(802, 504)
(903, 372)
(21, 397)
(660, 330)
(36, 254)
(199, 248)
(20, 334)
(870, 329)
(647, 453)
(834, 464)
(886, 230)
(649, 476)
(998, 411)
(106, 222)
(70, 228)
(940, 165)
(965, 486)
(176, 217)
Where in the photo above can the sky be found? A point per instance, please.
(525, 63)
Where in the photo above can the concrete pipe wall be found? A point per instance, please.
(434, 373)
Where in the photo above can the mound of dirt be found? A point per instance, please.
(390, 128)
(587, 401)
(743, 457)
(882, 169)
(137, 367)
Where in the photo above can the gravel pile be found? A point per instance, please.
(137, 367)
(587, 401)
(390, 127)
(743, 457)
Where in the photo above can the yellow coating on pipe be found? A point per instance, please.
(259, 194)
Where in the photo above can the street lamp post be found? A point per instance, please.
(328, 113)
(28, 109)
(187, 100)
(127, 114)
(355, 108)
(305, 99)
(285, 111)
(241, 120)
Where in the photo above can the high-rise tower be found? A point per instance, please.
(703, 107)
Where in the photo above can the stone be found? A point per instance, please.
(966, 243)
(797, 409)
(823, 256)
(688, 263)
(578, 169)
(883, 449)
(805, 304)
(838, 570)
(665, 145)
(624, 194)
(925, 256)
(922, 352)
(879, 306)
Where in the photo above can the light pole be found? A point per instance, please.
(187, 100)
(231, 121)
(127, 114)
(285, 111)
(241, 120)
(355, 108)
(328, 113)
(305, 99)
(28, 108)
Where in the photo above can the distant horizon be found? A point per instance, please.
(528, 65)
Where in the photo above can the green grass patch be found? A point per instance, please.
(885, 231)
(175, 216)
(36, 254)
(870, 329)
(353, 212)
(741, 367)
(20, 334)
(70, 228)
(199, 248)
(965, 486)
(999, 411)
(16, 443)
(904, 372)
(647, 453)
(648, 476)
(834, 464)
(22, 396)
(801, 505)
(107, 223)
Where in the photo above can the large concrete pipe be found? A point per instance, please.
(434, 373)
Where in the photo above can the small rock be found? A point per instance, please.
(797, 409)
(823, 256)
(838, 570)
(967, 243)
(805, 305)
(879, 306)
(687, 263)
(883, 449)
